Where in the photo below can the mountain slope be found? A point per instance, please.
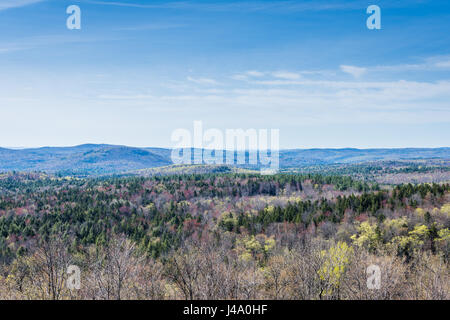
(81, 159)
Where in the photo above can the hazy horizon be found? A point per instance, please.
(168, 147)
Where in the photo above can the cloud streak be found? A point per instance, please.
(436, 63)
(286, 75)
(152, 27)
(39, 41)
(249, 6)
(356, 72)
(10, 4)
(317, 102)
(202, 81)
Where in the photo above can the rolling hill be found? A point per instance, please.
(94, 159)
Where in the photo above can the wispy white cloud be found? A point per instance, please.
(429, 64)
(202, 81)
(317, 102)
(443, 64)
(353, 70)
(10, 48)
(152, 27)
(125, 97)
(286, 75)
(252, 6)
(248, 74)
(239, 77)
(9, 4)
(438, 62)
(39, 41)
(253, 73)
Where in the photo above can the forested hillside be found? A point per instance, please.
(222, 236)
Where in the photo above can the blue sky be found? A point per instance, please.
(138, 70)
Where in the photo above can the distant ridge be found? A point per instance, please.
(87, 158)
(111, 159)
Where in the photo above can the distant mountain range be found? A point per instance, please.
(111, 159)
